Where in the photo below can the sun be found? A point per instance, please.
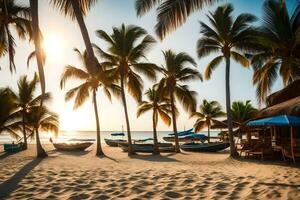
(53, 46)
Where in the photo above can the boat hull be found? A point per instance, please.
(205, 147)
(172, 139)
(72, 147)
(114, 143)
(148, 148)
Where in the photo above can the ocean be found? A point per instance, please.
(64, 136)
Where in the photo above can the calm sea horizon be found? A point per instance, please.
(64, 136)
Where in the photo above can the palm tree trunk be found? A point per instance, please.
(233, 151)
(24, 131)
(130, 148)
(177, 149)
(208, 133)
(99, 151)
(84, 32)
(39, 58)
(154, 120)
(41, 153)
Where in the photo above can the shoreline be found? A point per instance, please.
(82, 175)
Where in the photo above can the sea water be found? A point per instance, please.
(64, 136)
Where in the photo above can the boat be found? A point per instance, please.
(13, 148)
(190, 137)
(205, 147)
(115, 142)
(148, 148)
(72, 146)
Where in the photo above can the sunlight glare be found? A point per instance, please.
(53, 45)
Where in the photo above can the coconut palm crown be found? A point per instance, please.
(208, 114)
(170, 14)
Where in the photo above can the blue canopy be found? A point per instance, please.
(281, 120)
(183, 133)
(117, 134)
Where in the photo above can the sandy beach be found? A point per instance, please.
(81, 175)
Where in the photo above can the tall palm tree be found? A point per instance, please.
(175, 74)
(25, 99)
(42, 119)
(281, 49)
(208, 114)
(230, 37)
(40, 58)
(17, 17)
(8, 114)
(127, 45)
(76, 10)
(242, 112)
(160, 106)
(92, 80)
(170, 14)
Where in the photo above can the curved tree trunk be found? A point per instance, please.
(177, 149)
(130, 148)
(84, 33)
(99, 151)
(233, 151)
(155, 141)
(39, 58)
(41, 153)
(24, 131)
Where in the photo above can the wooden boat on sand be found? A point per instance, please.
(205, 147)
(72, 146)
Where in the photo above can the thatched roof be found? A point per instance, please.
(290, 107)
(289, 92)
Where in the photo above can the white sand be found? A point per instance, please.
(182, 176)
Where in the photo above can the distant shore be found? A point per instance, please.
(81, 175)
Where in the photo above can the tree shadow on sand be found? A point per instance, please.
(70, 153)
(154, 158)
(5, 155)
(12, 184)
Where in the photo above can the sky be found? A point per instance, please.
(62, 35)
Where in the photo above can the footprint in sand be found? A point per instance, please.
(173, 194)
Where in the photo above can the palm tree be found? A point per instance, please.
(13, 16)
(25, 99)
(242, 112)
(127, 45)
(8, 114)
(40, 58)
(208, 114)
(76, 10)
(92, 80)
(175, 73)
(281, 49)
(41, 119)
(229, 37)
(171, 14)
(160, 106)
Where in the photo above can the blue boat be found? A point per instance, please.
(205, 147)
(115, 142)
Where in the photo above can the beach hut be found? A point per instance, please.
(291, 150)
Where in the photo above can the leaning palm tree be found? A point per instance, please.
(76, 10)
(242, 112)
(13, 17)
(25, 99)
(208, 114)
(127, 45)
(171, 14)
(41, 119)
(40, 59)
(8, 113)
(231, 38)
(281, 48)
(175, 73)
(92, 80)
(160, 106)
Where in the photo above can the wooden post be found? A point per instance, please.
(292, 144)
